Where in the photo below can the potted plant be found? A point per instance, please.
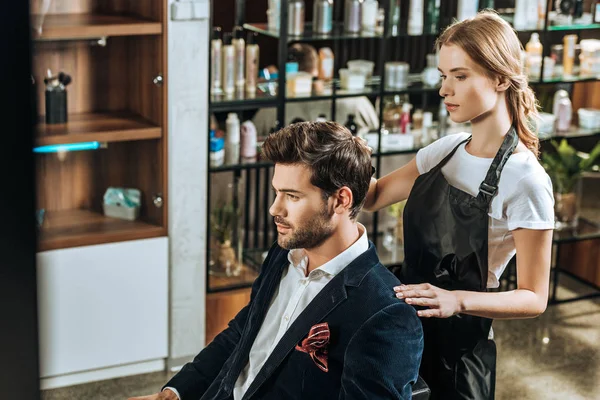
(565, 167)
(223, 221)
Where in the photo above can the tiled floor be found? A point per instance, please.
(555, 356)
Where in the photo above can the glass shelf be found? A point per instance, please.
(569, 79)
(573, 132)
(221, 282)
(416, 86)
(309, 36)
(573, 27)
(371, 89)
(241, 100)
(251, 164)
(389, 255)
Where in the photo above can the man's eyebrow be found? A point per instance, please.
(287, 190)
(455, 69)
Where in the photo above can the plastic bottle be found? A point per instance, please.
(429, 134)
(248, 140)
(252, 59)
(369, 15)
(232, 139)
(405, 118)
(322, 16)
(415, 18)
(534, 50)
(216, 57)
(326, 64)
(228, 64)
(239, 45)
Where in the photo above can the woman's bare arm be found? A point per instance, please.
(392, 188)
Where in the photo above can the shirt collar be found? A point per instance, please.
(299, 259)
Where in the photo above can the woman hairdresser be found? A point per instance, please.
(474, 200)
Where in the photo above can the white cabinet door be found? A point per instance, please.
(102, 306)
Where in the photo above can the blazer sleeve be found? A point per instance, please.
(383, 357)
(195, 377)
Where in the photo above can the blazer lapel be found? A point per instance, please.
(328, 299)
(331, 296)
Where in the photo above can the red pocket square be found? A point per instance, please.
(315, 344)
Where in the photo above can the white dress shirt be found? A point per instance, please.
(295, 292)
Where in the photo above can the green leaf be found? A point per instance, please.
(587, 164)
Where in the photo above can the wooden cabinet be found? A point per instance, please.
(115, 52)
(102, 282)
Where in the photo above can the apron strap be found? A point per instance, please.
(449, 156)
(489, 187)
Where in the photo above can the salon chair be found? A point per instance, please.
(420, 390)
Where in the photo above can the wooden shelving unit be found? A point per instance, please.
(70, 228)
(84, 26)
(116, 97)
(97, 127)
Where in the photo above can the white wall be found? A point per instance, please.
(188, 152)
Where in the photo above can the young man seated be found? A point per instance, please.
(323, 321)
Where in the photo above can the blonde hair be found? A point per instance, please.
(493, 44)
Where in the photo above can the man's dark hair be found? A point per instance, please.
(335, 157)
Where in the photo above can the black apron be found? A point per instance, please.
(446, 245)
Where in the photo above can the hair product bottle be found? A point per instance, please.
(569, 42)
(325, 64)
(432, 18)
(369, 15)
(248, 140)
(415, 17)
(228, 63)
(323, 16)
(296, 17)
(216, 47)
(534, 51)
(352, 16)
(239, 45)
(252, 59)
(232, 139)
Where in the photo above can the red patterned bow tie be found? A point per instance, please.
(315, 344)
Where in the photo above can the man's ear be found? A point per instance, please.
(343, 200)
(502, 84)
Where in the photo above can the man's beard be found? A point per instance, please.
(311, 235)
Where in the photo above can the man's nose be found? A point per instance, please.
(275, 208)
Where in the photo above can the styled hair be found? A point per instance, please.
(305, 55)
(334, 157)
(493, 44)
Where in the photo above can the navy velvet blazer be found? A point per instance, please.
(374, 351)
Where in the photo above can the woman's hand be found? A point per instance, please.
(441, 303)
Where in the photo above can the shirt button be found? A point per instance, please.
(286, 318)
(304, 282)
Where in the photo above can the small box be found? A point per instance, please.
(121, 212)
(122, 203)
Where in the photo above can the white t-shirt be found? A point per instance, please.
(524, 198)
